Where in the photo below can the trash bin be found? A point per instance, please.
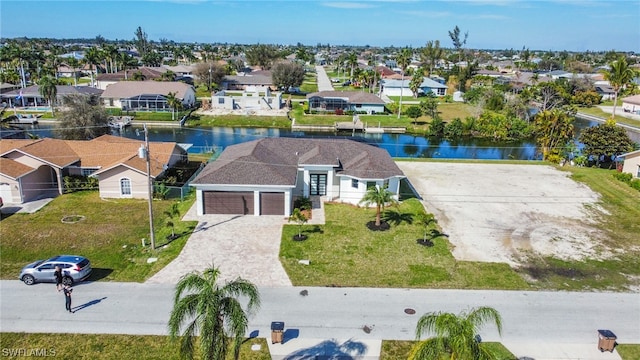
(277, 328)
(606, 340)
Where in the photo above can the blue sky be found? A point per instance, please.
(575, 25)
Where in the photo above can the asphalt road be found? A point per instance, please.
(132, 308)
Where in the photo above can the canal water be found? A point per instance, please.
(398, 145)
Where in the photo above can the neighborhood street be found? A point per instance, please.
(531, 320)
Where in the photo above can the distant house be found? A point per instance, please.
(631, 104)
(264, 177)
(606, 91)
(260, 99)
(147, 73)
(30, 169)
(631, 163)
(357, 101)
(147, 95)
(249, 82)
(30, 96)
(392, 87)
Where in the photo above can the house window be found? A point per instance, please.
(125, 186)
(318, 184)
(385, 183)
(638, 174)
(354, 183)
(358, 106)
(371, 184)
(87, 172)
(220, 100)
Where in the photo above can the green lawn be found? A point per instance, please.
(110, 235)
(596, 111)
(346, 253)
(400, 350)
(197, 120)
(107, 347)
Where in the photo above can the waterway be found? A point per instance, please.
(398, 145)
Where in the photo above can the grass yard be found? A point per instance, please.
(400, 350)
(346, 253)
(596, 111)
(110, 235)
(107, 347)
(197, 120)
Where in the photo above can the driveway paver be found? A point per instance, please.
(240, 246)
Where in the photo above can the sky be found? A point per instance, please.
(572, 25)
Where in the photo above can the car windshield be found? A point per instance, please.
(83, 263)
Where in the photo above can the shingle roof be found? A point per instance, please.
(249, 80)
(127, 89)
(149, 73)
(426, 82)
(634, 99)
(104, 152)
(354, 97)
(14, 169)
(62, 90)
(275, 161)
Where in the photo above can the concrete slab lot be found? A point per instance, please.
(504, 212)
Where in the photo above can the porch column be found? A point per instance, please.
(256, 203)
(307, 181)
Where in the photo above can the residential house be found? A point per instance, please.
(392, 87)
(264, 177)
(248, 82)
(260, 99)
(631, 163)
(147, 95)
(606, 91)
(631, 104)
(30, 96)
(356, 101)
(146, 73)
(30, 169)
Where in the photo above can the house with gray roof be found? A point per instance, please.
(147, 95)
(264, 177)
(30, 96)
(248, 82)
(356, 101)
(392, 87)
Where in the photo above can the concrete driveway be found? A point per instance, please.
(240, 246)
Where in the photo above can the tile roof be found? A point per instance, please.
(354, 97)
(127, 89)
(275, 161)
(248, 79)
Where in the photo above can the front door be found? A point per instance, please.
(318, 184)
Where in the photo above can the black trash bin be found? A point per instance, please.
(277, 327)
(606, 340)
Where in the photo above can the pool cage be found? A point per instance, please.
(327, 104)
(146, 102)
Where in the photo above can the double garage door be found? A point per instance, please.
(242, 203)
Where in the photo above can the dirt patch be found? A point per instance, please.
(505, 212)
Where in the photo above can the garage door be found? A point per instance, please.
(271, 203)
(227, 202)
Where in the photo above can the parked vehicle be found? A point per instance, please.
(74, 269)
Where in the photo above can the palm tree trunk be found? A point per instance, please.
(401, 87)
(378, 215)
(615, 103)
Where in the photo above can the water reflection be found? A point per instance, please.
(398, 145)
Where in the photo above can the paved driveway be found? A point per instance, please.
(240, 246)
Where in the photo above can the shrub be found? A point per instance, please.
(624, 177)
(635, 183)
(302, 203)
(72, 183)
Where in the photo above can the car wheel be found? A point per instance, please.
(67, 281)
(28, 279)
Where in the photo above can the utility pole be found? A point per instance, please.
(143, 153)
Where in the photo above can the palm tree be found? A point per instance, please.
(213, 311)
(352, 61)
(74, 64)
(455, 335)
(619, 76)
(431, 54)
(172, 213)
(554, 130)
(403, 59)
(380, 196)
(174, 103)
(92, 58)
(47, 88)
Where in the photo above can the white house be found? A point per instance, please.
(631, 163)
(264, 177)
(392, 87)
(261, 98)
(147, 95)
(357, 101)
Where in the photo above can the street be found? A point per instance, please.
(132, 308)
